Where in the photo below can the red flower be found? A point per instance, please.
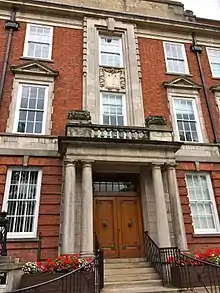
(170, 259)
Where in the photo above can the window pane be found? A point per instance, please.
(39, 42)
(110, 51)
(201, 204)
(112, 109)
(21, 203)
(32, 100)
(175, 54)
(186, 121)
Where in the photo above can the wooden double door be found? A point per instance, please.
(118, 226)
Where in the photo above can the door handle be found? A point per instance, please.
(130, 224)
(105, 224)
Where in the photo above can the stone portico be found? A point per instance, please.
(147, 151)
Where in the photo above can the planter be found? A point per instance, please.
(194, 276)
(78, 282)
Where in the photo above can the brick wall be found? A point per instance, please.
(195, 242)
(154, 74)
(49, 213)
(67, 59)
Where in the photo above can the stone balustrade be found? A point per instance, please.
(79, 125)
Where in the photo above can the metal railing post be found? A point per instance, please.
(3, 233)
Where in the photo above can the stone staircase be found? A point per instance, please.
(132, 275)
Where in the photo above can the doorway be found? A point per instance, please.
(118, 222)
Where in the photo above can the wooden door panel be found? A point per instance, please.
(129, 223)
(106, 226)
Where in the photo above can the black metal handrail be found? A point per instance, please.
(85, 279)
(99, 251)
(157, 257)
(189, 273)
(3, 233)
(182, 270)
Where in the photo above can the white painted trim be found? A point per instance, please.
(217, 100)
(198, 127)
(38, 192)
(17, 108)
(27, 35)
(184, 94)
(184, 56)
(210, 64)
(213, 206)
(120, 49)
(123, 105)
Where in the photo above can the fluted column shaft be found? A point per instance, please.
(161, 210)
(87, 211)
(178, 222)
(68, 231)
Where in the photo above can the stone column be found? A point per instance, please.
(87, 211)
(176, 210)
(68, 238)
(161, 210)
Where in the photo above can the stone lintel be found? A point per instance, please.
(65, 143)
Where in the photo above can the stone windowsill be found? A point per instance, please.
(178, 74)
(35, 59)
(34, 239)
(206, 235)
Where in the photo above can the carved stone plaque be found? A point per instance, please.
(112, 78)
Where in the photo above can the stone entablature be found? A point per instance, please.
(28, 145)
(164, 8)
(198, 152)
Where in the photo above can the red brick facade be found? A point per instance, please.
(195, 242)
(67, 58)
(49, 213)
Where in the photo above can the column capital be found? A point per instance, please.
(69, 163)
(87, 162)
(171, 166)
(157, 165)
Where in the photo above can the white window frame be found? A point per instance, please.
(186, 66)
(196, 113)
(17, 108)
(213, 205)
(27, 39)
(120, 51)
(38, 192)
(209, 58)
(123, 106)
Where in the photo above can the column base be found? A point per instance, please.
(86, 254)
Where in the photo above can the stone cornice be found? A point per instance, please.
(182, 82)
(141, 20)
(215, 88)
(34, 67)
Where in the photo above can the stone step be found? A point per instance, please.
(129, 271)
(131, 277)
(124, 260)
(130, 284)
(137, 289)
(121, 265)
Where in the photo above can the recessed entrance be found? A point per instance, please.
(118, 219)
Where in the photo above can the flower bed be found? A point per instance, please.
(61, 264)
(210, 255)
(189, 270)
(39, 272)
